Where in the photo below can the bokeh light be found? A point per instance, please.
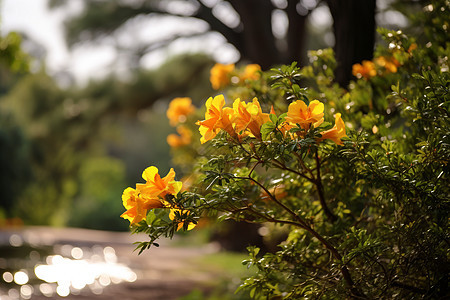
(69, 271)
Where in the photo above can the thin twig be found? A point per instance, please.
(318, 183)
(284, 167)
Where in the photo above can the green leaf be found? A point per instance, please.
(151, 217)
(296, 89)
(273, 118)
(417, 76)
(266, 129)
(325, 126)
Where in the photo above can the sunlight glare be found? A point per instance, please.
(75, 274)
(20, 278)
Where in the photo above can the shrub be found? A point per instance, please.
(358, 177)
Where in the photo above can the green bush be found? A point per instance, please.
(366, 209)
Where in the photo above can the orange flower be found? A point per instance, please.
(366, 70)
(157, 187)
(216, 119)
(336, 133)
(390, 64)
(149, 195)
(179, 109)
(172, 216)
(412, 47)
(184, 138)
(251, 72)
(134, 206)
(249, 117)
(305, 116)
(220, 75)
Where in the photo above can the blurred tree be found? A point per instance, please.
(14, 147)
(36, 103)
(101, 179)
(354, 31)
(49, 136)
(247, 25)
(13, 61)
(14, 161)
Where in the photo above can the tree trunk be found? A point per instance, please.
(258, 41)
(354, 31)
(296, 34)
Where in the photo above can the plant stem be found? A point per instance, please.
(284, 167)
(318, 183)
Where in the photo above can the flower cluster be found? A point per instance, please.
(183, 138)
(246, 119)
(390, 64)
(365, 70)
(154, 193)
(179, 109)
(177, 113)
(222, 75)
(368, 69)
(241, 120)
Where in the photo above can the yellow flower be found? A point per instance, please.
(251, 72)
(172, 215)
(157, 187)
(135, 211)
(390, 64)
(149, 195)
(179, 109)
(366, 70)
(184, 138)
(220, 75)
(216, 118)
(249, 117)
(137, 207)
(336, 133)
(305, 116)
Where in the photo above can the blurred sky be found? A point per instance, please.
(45, 27)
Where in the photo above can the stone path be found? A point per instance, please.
(165, 273)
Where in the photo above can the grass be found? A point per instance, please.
(226, 271)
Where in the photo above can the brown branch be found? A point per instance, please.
(267, 218)
(232, 35)
(284, 167)
(318, 183)
(413, 289)
(301, 162)
(274, 199)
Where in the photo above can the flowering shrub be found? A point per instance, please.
(364, 202)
